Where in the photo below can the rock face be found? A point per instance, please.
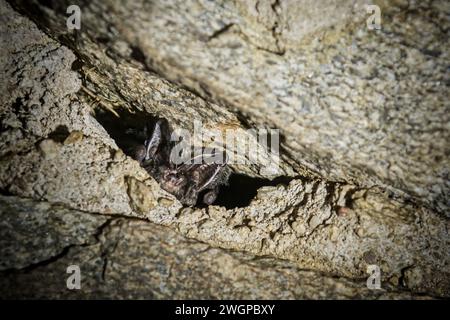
(128, 258)
(362, 176)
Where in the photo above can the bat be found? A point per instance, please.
(186, 181)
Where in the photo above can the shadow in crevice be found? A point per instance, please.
(128, 131)
(242, 189)
(59, 134)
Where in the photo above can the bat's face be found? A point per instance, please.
(173, 181)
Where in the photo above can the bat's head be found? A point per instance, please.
(173, 182)
(187, 181)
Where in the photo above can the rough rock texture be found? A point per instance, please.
(126, 258)
(357, 105)
(388, 208)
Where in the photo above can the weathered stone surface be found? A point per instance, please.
(364, 106)
(53, 149)
(32, 232)
(123, 259)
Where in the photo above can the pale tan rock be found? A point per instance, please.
(343, 117)
(130, 259)
(74, 137)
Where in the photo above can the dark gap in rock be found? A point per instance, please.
(58, 6)
(220, 31)
(77, 65)
(432, 53)
(17, 108)
(243, 119)
(40, 264)
(5, 192)
(59, 134)
(2, 124)
(103, 39)
(242, 189)
(47, 3)
(128, 132)
(137, 54)
(17, 105)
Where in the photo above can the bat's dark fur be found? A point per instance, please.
(185, 181)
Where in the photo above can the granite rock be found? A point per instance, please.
(364, 167)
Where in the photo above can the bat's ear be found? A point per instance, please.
(153, 141)
(157, 134)
(208, 175)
